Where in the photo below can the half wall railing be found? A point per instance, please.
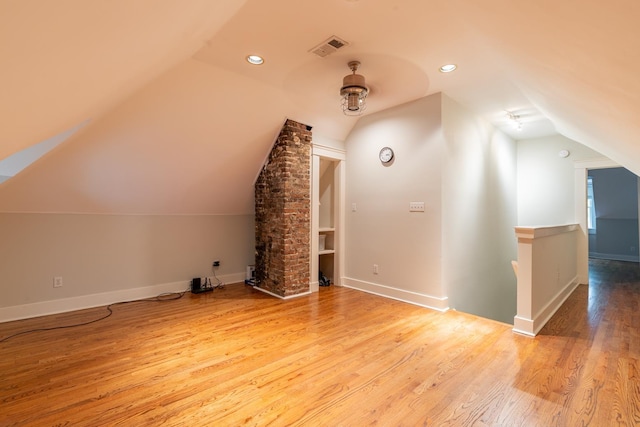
(546, 273)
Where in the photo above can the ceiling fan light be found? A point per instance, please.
(354, 92)
(353, 102)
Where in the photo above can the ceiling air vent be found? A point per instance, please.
(328, 46)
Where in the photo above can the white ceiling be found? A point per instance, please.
(180, 123)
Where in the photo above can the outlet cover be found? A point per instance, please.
(57, 282)
(416, 206)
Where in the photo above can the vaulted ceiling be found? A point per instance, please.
(180, 123)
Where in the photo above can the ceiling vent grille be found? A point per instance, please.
(329, 46)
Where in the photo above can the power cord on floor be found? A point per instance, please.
(220, 285)
(167, 296)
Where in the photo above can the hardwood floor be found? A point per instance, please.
(337, 358)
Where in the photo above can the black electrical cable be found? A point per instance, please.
(220, 285)
(168, 296)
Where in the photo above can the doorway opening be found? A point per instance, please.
(612, 214)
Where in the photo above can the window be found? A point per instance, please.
(16, 162)
(591, 207)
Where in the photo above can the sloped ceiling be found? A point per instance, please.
(180, 123)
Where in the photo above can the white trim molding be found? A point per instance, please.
(599, 163)
(82, 302)
(581, 172)
(615, 257)
(531, 327)
(547, 273)
(314, 286)
(326, 151)
(435, 303)
(302, 294)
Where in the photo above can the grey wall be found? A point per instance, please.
(97, 254)
(616, 201)
(479, 213)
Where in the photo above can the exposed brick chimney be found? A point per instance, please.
(283, 214)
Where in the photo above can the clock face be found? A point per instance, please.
(386, 155)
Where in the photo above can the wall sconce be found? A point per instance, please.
(353, 92)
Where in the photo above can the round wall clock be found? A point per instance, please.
(386, 155)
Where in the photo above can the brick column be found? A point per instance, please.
(283, 214)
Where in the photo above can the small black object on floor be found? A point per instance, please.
(197, 287)
(323, 280)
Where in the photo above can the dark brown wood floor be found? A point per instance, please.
(336, 358)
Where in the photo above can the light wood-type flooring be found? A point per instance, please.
(337, 358)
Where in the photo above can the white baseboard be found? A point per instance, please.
(423, 300)
(314, 286)
(63, 305)
(523, 326)
(531, 327)
(302, 294)
(228, 278)
(614, 257)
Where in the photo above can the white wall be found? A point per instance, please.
(478, 215)
(458, 252)
(112, 254)
(405, 245)
(546, 181)
(326, 194)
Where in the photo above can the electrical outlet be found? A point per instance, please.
(375, 268)
(216, 263)
(416, 206)
(57, 282)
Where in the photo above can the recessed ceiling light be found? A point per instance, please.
(448, 68)
(255, 60)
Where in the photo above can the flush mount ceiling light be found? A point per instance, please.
(255, 60)
(353, 92)
(447, 68)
